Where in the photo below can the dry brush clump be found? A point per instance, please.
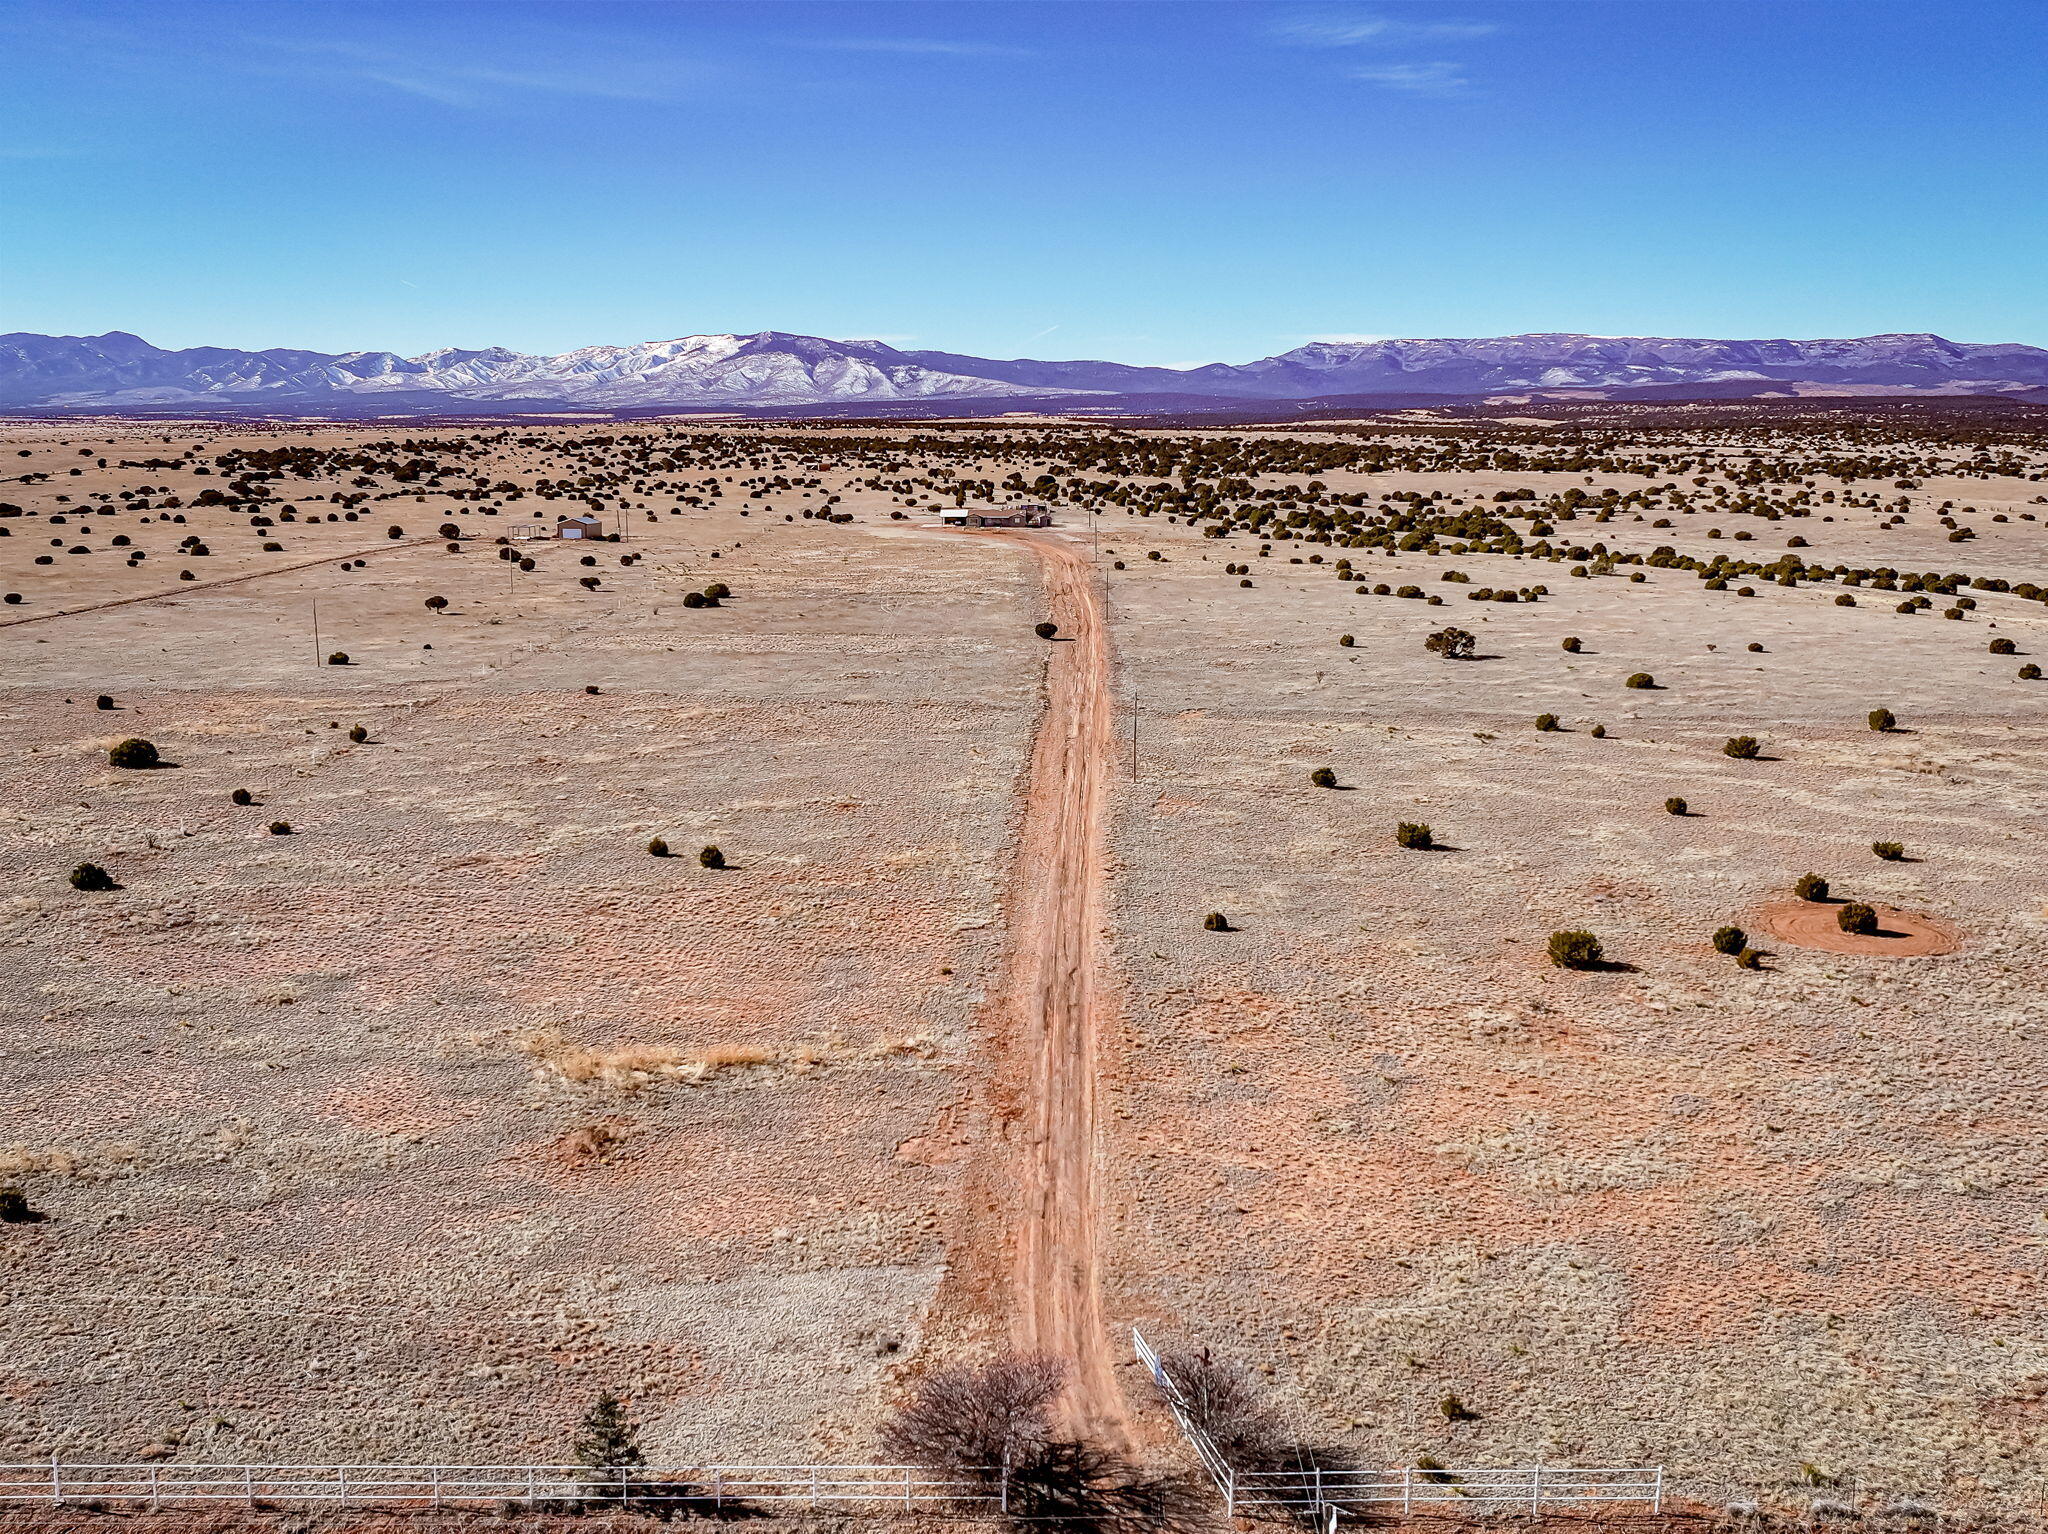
(993, 1426)
(1221, 1400)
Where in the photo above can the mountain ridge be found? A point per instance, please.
(779, 369)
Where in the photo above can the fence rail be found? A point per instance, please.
(1321, 1496)
(714, 1486)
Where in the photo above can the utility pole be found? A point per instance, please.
(1134, 732)
(316, 634)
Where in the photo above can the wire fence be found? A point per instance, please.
(707, 1488)
(1321, 1496)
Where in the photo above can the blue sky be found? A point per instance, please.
(1154, 182)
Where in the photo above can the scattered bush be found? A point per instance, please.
(1575, 950)
(2030, 672)
(2003, 647)
(1858, 918)
(1730, 940)
(1883, 720)
(1451, 644)
(338, 658)
(1413, 835)
(1754, 648)
(718, 591)
(1845, 600)
(1749, 958)
(1640, 680)
(1572, 645)
(134, 753)
(15, 1209)
(241, 796)
(693, 599)
(1323, 777)
(1598, 732)
(1810, 887)
(589, 583)
(103, 702)
(357, 734)
(1346, 640)
(280, 828)
(92, 878)
(1676, 806)
(657, 848)
(711, 857)
(1743, 748)
(1216, 921)
(435, 604)
(1045, 630)
(1547, 722)
(1891, 852)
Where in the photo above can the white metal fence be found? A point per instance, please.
(1320, 1496)
(709, 1488)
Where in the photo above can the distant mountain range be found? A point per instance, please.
(120, 372)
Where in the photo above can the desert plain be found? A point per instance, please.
(398, 1112)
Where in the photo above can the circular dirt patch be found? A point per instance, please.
(1899, 935)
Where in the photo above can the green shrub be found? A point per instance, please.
(1641, 680)
(711, 857)
(1891, 852)
(693, 599)
(1547, 722)
(1675, 806)
(1749, 958)
(1730, 940)
(1883, 720)
(134, 753)
(1572, 645)
(1845, 600)
(1045, 630)
(1346, 640)
(2003, 647)
(280, 828)
(1323, 777)
(1742, 747)
(1451, 644)
(657, 848)
(2030, 672)
(435, 604)
(92, 878)
(1858, 918)
(591, 583)
(1216, 921)
(1414, 835)
(241, 796)
(1598, 732)
(1754, 648)
(1810, 887)
(1575, 950)
(718, 589)
(357, 734)
(338, 658)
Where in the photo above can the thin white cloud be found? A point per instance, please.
(1041, 335)
(1354, 30)
(1433, 79)
(931, 46)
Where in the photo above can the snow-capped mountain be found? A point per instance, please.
(119, 370)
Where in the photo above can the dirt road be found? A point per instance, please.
(1031, 1198)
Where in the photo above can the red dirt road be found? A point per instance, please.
(1032, 1193)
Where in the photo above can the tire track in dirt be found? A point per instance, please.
(1029, 1215)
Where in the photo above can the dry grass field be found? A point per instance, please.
(404, 1134)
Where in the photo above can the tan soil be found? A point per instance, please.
(1900, 934)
